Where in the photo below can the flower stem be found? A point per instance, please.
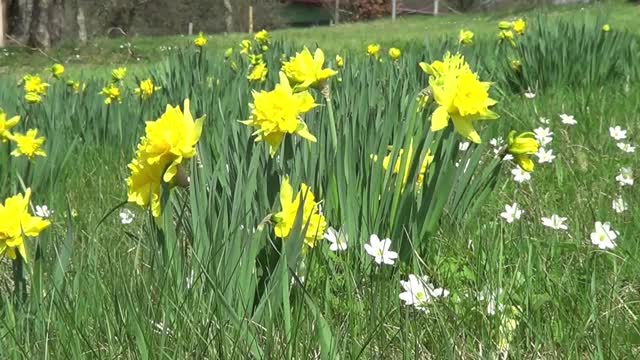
(326, 92)
(19, 282)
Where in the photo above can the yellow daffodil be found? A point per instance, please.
(277, 113)
(146, 89)
(606, 28)
(506, 36)
(516, 65)
(34, 84)
(386, 163)
(305, 70)
(29, 144)
(111, 93)
(394, 54)
(465, 37)
(145, 182)
(200, 41)
(76, 86)
(373, 50)
(461, 97)
(258, 73)
(245, 47)
(6, 125)
(314, 223)
(339, 61)
(519, 26)
(33, 98)
(118, 74)
(16, 224)
(521, 146)
(505, 25)
(57, 70)
(262, 37)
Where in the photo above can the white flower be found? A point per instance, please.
(463, 146)
(511, 213)
(555, 222)
(619, 205)
(418, 292)
(379, 249)
(161, 328)
(545, 156)
(507, 157)
(43, 211)
(628, 148)
(617, 133)
(496, 142)
(604, 236)
(543, 135)
(625, 177)
(126, 216)
(338, 239)
(520, 175)
(493, 300)
(529, 94)
(568, 119)
(545, 120)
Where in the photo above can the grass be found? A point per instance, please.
(200, 282)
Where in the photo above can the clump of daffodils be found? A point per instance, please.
(460, 96)
(34, 88)
(521, 147)
(277, 113)
(111, 94)
(373, 50)
(146, 88)
(263, 38)
(28, 144)
(312, 223)
(465, 37)
(200, 41)
(167, 142)
(305, 70)
(17, 223)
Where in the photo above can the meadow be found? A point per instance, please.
(369, 220)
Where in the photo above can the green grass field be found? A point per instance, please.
(209, 278)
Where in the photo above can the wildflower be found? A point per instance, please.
(245, 47)
(617, 133)
(394, 54)
(379, 250)
(545, 156)
(418, 292)
(520, 175)
(258, 73)
(262, 37)
(146, 89)
(568, 119)
(505, 25)
(529, 94)
(111, 93)
(6, 125)
(305, 70)
(628, 148)
(544, 120)
(57, 70)
(28, 144)
(314, 222)
(33, 84)
(516, 65)
(200, 41)
(373, 50)
(339, 61)
(619, 205)
(460, 96)
(18, 223)
(118, 74)
(519, 26)
(543, 135)
(126, 216)
(33, 98)
(464, 145)
(493, 300)
(625, 177)
(521, 146)
(555, 222)
(511, 213)
(338, 239)
(43, 211)
(465, 37)
(606, 28)
(604, 236)
(506, 36)
(278, 112)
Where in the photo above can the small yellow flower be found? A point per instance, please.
(339, 61)
(277, 113)
(146, 89)
(506, 35)
(111, 93)
(6, 125)
(258, 72)
(505, 25)
(33, 98)
(118, 74)
(29, 144)
(516, 65)
(228, 53)
(245, 47)
(262, 37)
(34, 84)
(57, 70)
(314, 222)
(394, 54)
(18, 223)
(200, 41)
(465, 37)
(305, 70)
(606, 28)
(373, 50)
(521, 146)
(519, 26)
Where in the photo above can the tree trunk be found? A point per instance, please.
(39, 34)
(19, 16)
(82, 27)
(56, 21)
(229, 15)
